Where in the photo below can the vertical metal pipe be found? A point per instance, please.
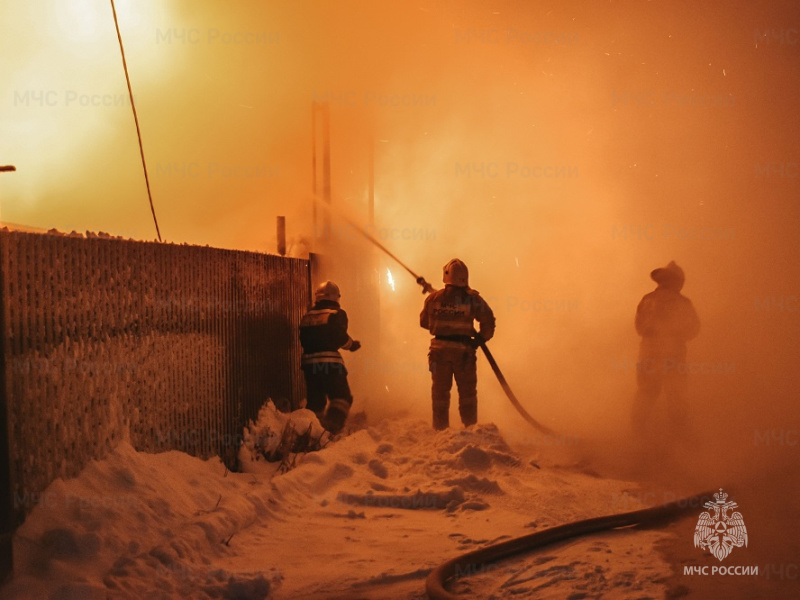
(314, 169)
(326, 168)
(372, 180)
(282, 236)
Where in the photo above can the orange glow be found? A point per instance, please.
(563, 150)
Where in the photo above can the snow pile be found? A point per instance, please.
(276, 436)
(457, 453)
(373, 513)
(367, 515)
(139, 524)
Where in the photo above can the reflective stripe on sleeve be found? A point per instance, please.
(322, 357)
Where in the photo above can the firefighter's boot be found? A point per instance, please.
(336, 415)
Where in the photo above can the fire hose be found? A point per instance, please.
(473, 561)
(510, 394)
(476, 560)
(427, 288)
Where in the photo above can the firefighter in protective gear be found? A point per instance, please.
(323, 331)
(666, 320)
(449, 314)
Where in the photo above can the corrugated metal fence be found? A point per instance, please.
(169, 346)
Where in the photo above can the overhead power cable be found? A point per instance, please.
(135, 119)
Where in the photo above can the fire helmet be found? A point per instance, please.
(670, 276)
(456, 273)
(327, 290)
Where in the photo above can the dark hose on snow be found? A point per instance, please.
(476, 560)
(510, 394)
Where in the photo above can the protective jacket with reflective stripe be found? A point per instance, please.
(323, 330)
(452, 311)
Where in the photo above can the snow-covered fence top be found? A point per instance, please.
(171, 346)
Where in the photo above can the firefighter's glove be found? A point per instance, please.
(354, 346)
(427, 288)
(477, 340)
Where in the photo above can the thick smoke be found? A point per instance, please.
(561, 149)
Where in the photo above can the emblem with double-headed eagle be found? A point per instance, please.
(720, 533)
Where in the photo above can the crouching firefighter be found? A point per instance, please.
(449, 314)
(323, 330)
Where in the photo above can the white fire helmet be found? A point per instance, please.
(456, 273)
(327, 290)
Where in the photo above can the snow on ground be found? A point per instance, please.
(367, 516)
(620, 564)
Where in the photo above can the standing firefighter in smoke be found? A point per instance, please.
(323, 330)
(666, 320)
(449, 314)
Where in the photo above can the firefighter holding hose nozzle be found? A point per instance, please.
(323, 331)
(449, 314)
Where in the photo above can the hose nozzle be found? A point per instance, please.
(427, 288)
